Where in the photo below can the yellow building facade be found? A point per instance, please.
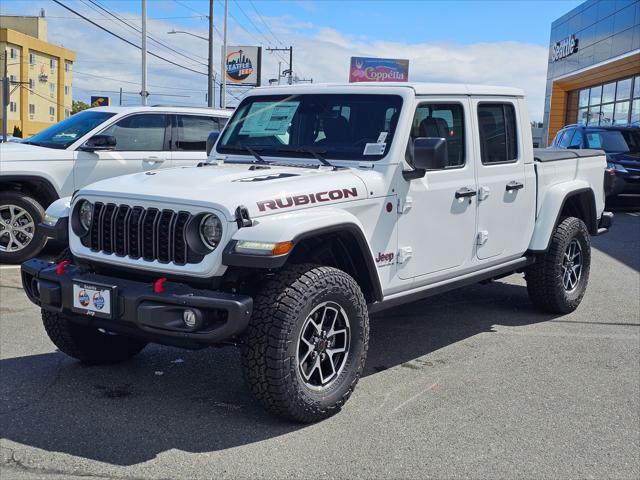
(41, 75)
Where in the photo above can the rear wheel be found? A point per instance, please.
(558, 280)
(306, 345)
(89, 345)
(20, 215)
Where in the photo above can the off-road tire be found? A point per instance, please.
(89, 345)
(35, 209)
(269, 345)
(544, 277)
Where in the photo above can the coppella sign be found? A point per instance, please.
(564, 48)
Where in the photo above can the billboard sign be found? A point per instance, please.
(100, 101)
(365, 69)
(243, 65)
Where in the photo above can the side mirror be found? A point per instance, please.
(429, 153)
(99, 142)
(211, 140)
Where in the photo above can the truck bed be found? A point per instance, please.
(551, 155)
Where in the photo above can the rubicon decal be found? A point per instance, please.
(307, 199)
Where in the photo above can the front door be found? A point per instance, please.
(505, 195)
(437, 223)
(141, 145)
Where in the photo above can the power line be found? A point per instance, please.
(125, 40)
(137, 30)
(182, 4)
(265, 24)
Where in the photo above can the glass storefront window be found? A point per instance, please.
(624, 90)
(636, 88)
(596, 95)
(621, 113)
(583, 100)
(583, 114)
(635, 111)
(606, 114)
(609, 92)
(594, 115)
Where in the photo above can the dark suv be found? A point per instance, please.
(622, 145)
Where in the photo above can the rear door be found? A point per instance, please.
(505, 199)
(141, 145)
(189, 142)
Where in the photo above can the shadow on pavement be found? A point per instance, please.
(623, 240)
(196, 401)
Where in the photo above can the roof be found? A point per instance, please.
(603, 127)
(140, 108)
(417, 87)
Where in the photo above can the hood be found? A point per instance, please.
(263, 191)
(19, 152)
(625, 158)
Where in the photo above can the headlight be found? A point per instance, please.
(85, 214)
(211, 231)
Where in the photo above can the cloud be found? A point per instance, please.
(320, 52)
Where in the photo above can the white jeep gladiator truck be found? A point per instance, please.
(92, 145)
(318, 206)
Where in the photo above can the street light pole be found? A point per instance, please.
(143, 91)
(210, 86)
(223, 69)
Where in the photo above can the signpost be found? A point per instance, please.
(366, 69)
(243, 65)
(100, 101)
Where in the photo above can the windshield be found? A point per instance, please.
(336, 126)
(613, 140)
(64, 133)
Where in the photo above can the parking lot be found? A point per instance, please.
(473, 383)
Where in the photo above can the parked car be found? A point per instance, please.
(320, 205)
(92, 145)
(622, 146)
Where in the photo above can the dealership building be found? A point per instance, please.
(593, 74)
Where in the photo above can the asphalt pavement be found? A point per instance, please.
(471, 384)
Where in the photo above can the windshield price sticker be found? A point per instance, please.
(269, 118)
(382, 137)
(374, 148)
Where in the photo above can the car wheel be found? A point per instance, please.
(20, 239)
(306, 344)
(557, 281)
(91, 346)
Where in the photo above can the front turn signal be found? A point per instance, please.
(250, 247)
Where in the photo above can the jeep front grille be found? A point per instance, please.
(136, 232)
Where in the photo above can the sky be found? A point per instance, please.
(488, 42)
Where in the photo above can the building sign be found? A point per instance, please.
(564, 48)
(99, 101)
(365, 69)
(43, 77)
(243, 65)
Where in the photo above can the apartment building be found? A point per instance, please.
(41, 72)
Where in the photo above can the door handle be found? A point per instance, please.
(514, 186)
(465, 192)
(153, 160)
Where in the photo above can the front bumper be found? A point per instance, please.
(137, 310)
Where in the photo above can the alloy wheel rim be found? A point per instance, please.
(17, 228)
(572, 265)
(323, 345)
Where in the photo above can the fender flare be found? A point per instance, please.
(49, 189)
(332, 220)
(544, 228)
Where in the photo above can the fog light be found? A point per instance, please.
(189, 318)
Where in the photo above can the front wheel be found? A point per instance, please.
(558, 280)
(306, 344)
(20, 215)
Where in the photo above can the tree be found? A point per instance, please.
(78, 106)
(17, 132)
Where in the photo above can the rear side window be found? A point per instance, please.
(193, 131)
(442, 120)
(498, 142)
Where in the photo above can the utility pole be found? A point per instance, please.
(143, 91)
(223, 69)
(210, 86)
(290, 71)
(5, 98)
(120, 102)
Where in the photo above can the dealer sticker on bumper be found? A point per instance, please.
(92, 299)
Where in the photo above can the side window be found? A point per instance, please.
(566, 139)
(193, 132)
(222, 121)
(442, 120)
(498, 141)
(143, 132)
(576, 141)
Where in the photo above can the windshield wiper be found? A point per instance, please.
(311, 152)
